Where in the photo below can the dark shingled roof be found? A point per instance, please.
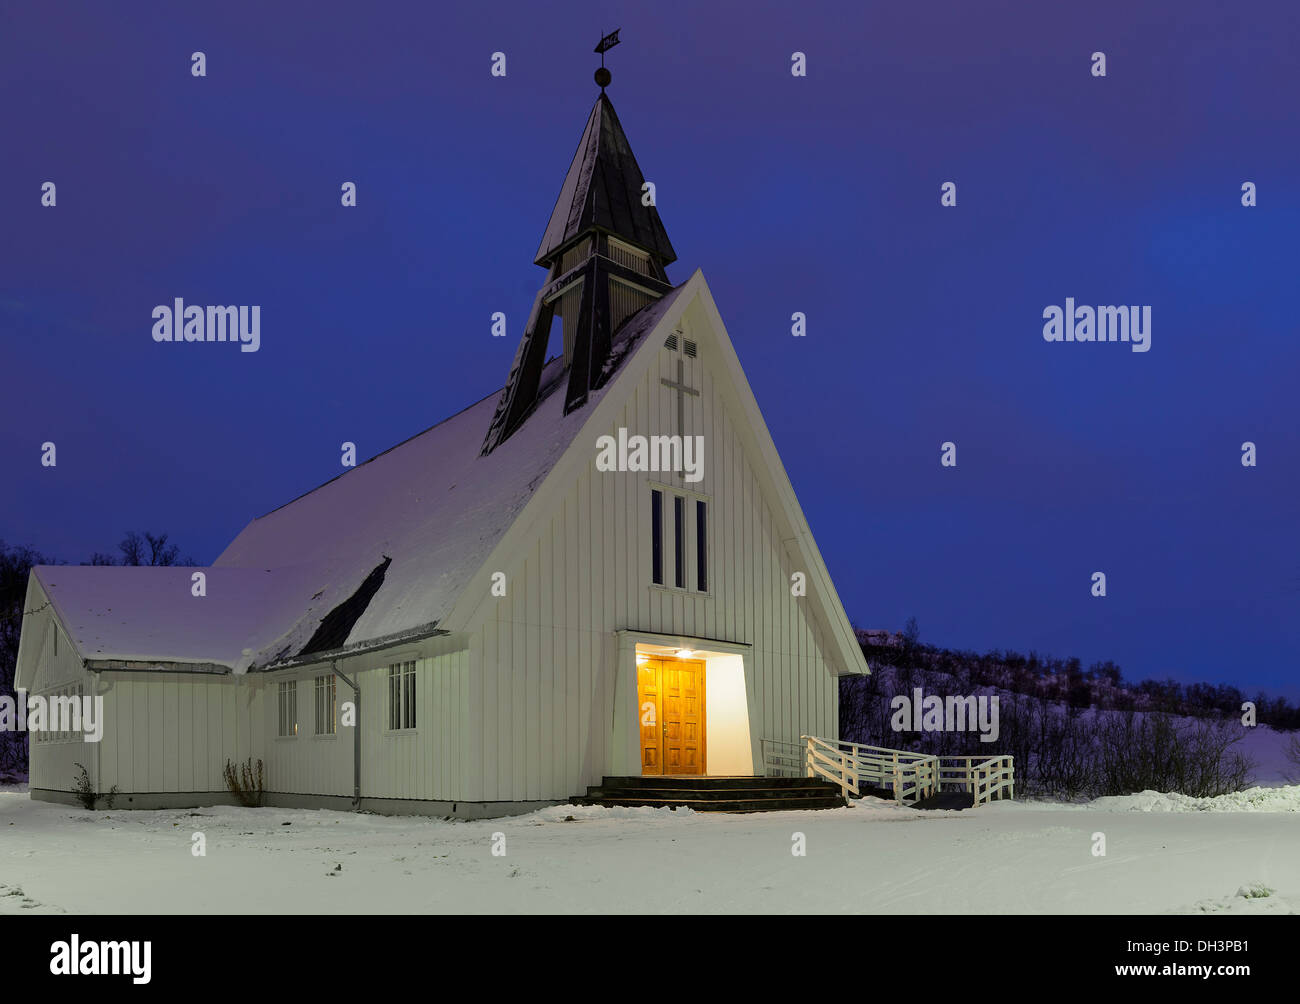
(603, 189)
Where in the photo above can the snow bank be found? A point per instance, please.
(1283, 799)
(1254, 898)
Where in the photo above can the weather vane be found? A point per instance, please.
(607, 42)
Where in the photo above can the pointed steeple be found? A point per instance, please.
(605, 249)
(603, 190)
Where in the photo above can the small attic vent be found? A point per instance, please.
(671, 342)
(690, 348)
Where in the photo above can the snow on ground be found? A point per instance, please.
(1281, 799)
(873, 857)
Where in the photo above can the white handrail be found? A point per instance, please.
(823, 759)
(910, 776)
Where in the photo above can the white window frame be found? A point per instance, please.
(47, 734)
(668, 494)
(403, 698)
(287, 709)
(657, 496)
(703, 545)
(325, 690)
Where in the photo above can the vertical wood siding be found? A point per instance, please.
(546, 651)
(169, 732)
(174, 731)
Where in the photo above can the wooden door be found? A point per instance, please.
(648, 701)
(670, 699)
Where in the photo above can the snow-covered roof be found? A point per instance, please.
(432, 504)
(150, 615)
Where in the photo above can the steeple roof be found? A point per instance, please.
(603, 190)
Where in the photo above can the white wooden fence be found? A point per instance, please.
(910, 776)
(985, 777)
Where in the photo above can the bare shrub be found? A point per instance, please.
(245, 782)
(1156, 752)
(85, 790)
(1064, 760)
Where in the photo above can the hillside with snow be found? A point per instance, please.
(1062, 746)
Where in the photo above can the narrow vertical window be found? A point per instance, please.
(325, 705)
(395, 697)
(657, 536)
(701, 546)
(288, 708)
(408, 699)
(679, 541)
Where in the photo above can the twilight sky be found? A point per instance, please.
(818, 195)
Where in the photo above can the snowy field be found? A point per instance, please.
(1237, 854)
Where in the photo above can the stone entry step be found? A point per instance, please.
(716, 794)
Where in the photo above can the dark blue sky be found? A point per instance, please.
(818, 194)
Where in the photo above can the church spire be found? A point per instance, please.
(605, 249)
(604, 189)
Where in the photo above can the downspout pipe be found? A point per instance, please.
(356, 735)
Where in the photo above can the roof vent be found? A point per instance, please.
(690, 348)
(671, 342)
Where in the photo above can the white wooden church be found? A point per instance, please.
(600, 569)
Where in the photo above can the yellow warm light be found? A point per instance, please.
(684, 653)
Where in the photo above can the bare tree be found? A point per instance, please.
(146, 549)
(15, 565)
(1292, 753)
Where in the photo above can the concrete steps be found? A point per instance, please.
(716, 794)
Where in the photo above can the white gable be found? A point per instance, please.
(694, 303)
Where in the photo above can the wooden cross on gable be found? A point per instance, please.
(680, 387)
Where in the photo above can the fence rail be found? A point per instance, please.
(910, 776)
